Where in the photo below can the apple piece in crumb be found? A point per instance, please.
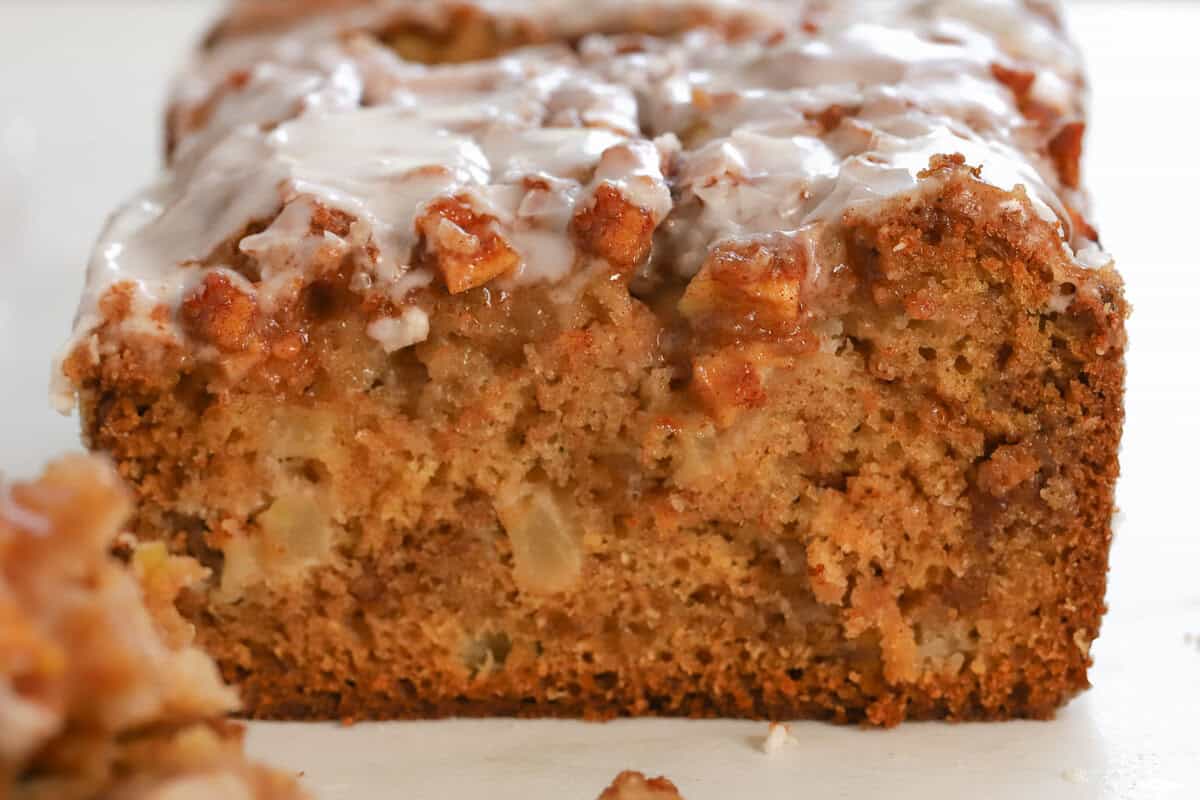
(546, 537)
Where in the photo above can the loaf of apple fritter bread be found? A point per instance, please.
(623, 357)
(102, 694)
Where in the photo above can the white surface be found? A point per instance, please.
(80, 92)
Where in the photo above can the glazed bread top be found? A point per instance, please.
(444, 146)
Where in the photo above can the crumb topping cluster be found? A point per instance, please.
(91, 653)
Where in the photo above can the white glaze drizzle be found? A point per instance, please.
(271, 124)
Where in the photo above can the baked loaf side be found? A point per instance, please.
(628, 358)
(102, 694)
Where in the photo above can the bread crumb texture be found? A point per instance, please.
(708, 453)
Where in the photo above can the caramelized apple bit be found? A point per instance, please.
(728, 382)
(614, 229)
(1066, 148)
(325, 219)
(1019, 81)
(221, 314)
(831, 117)
(747, 287)
(463, 245)
(546, 538)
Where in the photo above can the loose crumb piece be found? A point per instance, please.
(631, 785)
(1074, 775)
(778, 737)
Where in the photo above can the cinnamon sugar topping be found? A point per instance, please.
(737, 120)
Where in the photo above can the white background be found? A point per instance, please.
(81, 89)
